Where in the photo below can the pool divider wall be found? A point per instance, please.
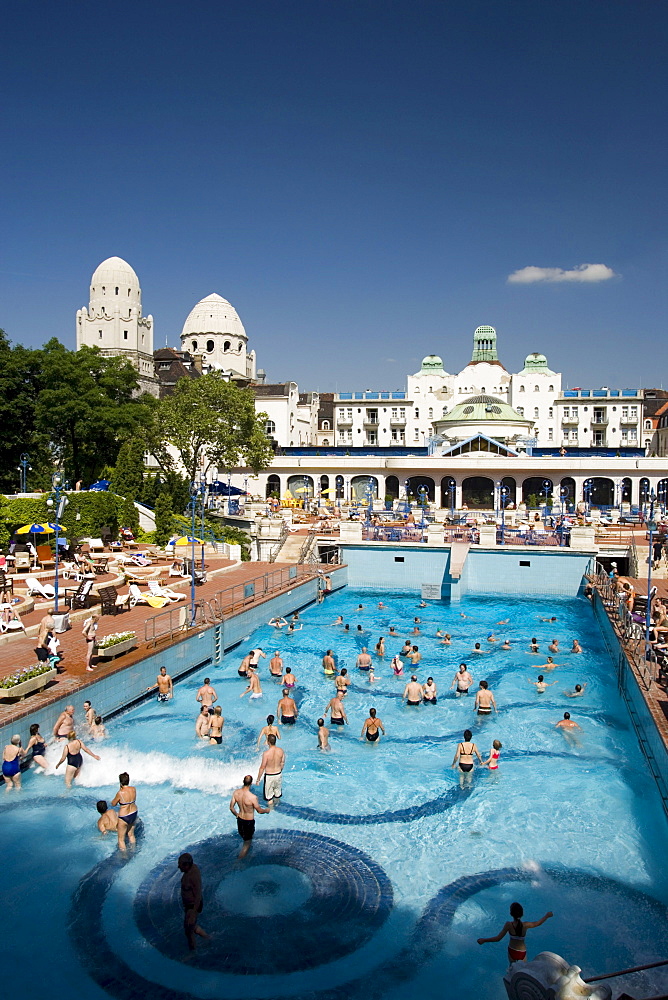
(202, 651)
(649, 737)
(518, 570)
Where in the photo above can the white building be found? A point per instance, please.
(292, 417)
(113, 321)
(214, 331)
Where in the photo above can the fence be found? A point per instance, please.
(169, 623)
(523, 536)
(630, 632)
(379, 534)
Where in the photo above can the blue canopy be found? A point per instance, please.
(226, 491)
(100, 484)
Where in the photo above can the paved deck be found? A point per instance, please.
(19, 650)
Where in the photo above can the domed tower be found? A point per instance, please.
(214, 331)
(113, 321)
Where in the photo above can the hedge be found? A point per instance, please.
(95, 511)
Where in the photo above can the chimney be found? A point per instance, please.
(197, 362)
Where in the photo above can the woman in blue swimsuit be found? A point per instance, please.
(126, 797)
(11, 763)
(72, 750)
(38, 746)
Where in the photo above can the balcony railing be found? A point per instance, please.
(398, 421)
(570, 420)
(344, 421)
(599, 420)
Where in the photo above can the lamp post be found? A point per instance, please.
(194, 495)
(588, 487)
(547, 486)
(58, 502)
(423, 494)
(618, 493)
(503, 500)
(203, 510)
(25, 465)
(651, 526)
(497, 500)
(452, 488)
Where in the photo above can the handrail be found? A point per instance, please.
(633, 557)
(630, 631)
(281, 538)
(307, 544)
(627, 972)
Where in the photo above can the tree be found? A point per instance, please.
(210, 421)
(20, 383)
(86, 406)
(164, 518)
(128, 475)
(128, 516)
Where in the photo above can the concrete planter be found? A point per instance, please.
(116, 650)
(22, 690)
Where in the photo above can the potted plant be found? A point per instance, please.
(26, 681)
(115, 644)
(389, 501)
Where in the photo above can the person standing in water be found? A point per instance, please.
(484, 700)
(217, 723)
(203, 724)
(126, 798)
(276, 665)
(270, 728)
(492, 761)
(11, 763)
(206, 694)
(516, 929)
(72, 750)
(253, 685)
(38, 747)
(464, 757)
(462, 681)
(243, 805)
(577, 693)
(541, 684)
(323, 736)
(373, 727)
(191, 898)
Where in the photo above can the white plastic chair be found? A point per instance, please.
(35, 587)
(167, 592)
(136, 596)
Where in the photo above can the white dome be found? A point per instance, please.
(114, 271)
(214, 315)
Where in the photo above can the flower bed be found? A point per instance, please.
(115, 644)
(27, 681)
(114, 638)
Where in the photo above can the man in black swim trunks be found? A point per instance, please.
(191, 898)
(286, 709)
(247, 804)
(412, 692)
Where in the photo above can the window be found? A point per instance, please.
(550, 411)
(142, 338)
(445, 410)
(521, 388)
(104, 292)
(648, 425)
(417, 415)
(634, 412)
(103, 309)
(210, 346)
(417, 434)
(565, 435)
(325, 425)
(575, 411)
(226, 345)
(550, 434)
(117, 291)
(240, 346)
(194, 345)
(125, 334)
(567, 412)
(520, 410)
(574, 434)
(371, 438)
(129, 290)
(431, 388)
(536, 388)
(550, 388)
(349, 435)
(349, 413)
(100, 332)
(395, 413)
(431, 413)
(625, 434)
(270, 427)
(372, 416)
(633, 434)
(402, 412)
(536, 413)
(483, 389)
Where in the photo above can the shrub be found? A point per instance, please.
(26, 674)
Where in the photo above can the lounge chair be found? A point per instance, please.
(43, 589)
(111, 601)
(137, 597)
(79, 598)
(96, 544)
(71, 571)
(158, 591)
(22, 560)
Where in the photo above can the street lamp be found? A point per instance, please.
(651, 526)
(194, 495)
(497, 499)
(452, 488)
(588, 488)
(57, 503)
(423, 494)
(618, 493)
(203, 509)
(503, 500)
(547, 487)
(25, 465)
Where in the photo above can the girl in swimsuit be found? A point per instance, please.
(380, 647)
(72, 750)
(373, 727)
(126, 797)
(464, 757)
(516, 929)
(38, 746)
(397, 666)
(492, 761)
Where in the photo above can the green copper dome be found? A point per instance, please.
(432, 363)
(485, 408)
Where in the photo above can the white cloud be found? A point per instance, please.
(582, 273)
(390, 361)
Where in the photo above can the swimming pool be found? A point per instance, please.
(377, 872)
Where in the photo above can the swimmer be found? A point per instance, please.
(363, 661)
(484, 700)
(392, 630)
(381, 606)
(126, 798)
(372, 676)
(339, 621)
(289, 679)
(462, 615)
(578, 692)
(346, 628)
(294, 627)
(65, 722)
(247, 805)
(323, 736)
(206, 694)
(360, 629)
(492, 761)
(429, 692)
(72, 751)
(38, 746)
(11, 763)
(576, 647)
(276, 665)
(541, 684)
(477, 649)
(360, 607)
(550, 665)
(217, 723)
(418, 621)
(464, 758)
(439, 633)
(412, 692)
(516, 929)
(554, 646)
(552, 619)
(243, 666)
(287, 710)
(397, 666)
(416, 630)
(506, 645)
(406, 648)
(253, 686)
(492, 638)
(415, 656)
(463, 680)
(336, 710)
(533, 646)
(277, 622)
(446, 640)
(328, 664)
(203, 724)
(422, 604)
(108, 821)
(380, 647)
(568, 727)
(97, 730)
(89, 713)
(270, 728)
(373, 727)
(255, 656)
(504, 621)
(164, 684)
(342, 682)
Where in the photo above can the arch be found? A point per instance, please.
(478, 491)
(325, 425)
(326, 442)
(226, 345)
(301, 487)
(339, 487)
(324, 484)
(602, 491)
(415, 482)
(567, 487)
(535, 486)
(511, 486)
(627, 490)
(392, 487)
(270, 427)
(194, 345)
(643, 490)
(273, 486)
(210, 346)
(359, 486)
(448, 492)
(662, 492)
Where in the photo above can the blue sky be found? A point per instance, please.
(359, 179)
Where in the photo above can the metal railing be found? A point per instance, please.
(376, 533)
(522, 536)
(307, 545)
(633, 557)
(166, 625)
(279, 544)
(630, 632)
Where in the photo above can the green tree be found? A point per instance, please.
(164, 518)
(128, 516)
(87, 404)
(20, 383)
(128, 476)
(210, 421)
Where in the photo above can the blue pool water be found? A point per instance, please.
(377, 872)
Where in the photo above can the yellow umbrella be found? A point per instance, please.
(35, 529)
(328, 490)
(304, 489)
(188, 540)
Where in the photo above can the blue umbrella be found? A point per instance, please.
(36, 529)
(100, 484)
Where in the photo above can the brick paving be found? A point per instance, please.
(18, 651)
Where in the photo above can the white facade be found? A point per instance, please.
(113, 321)
(214, 331)
(600, 418)
(292, 417)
